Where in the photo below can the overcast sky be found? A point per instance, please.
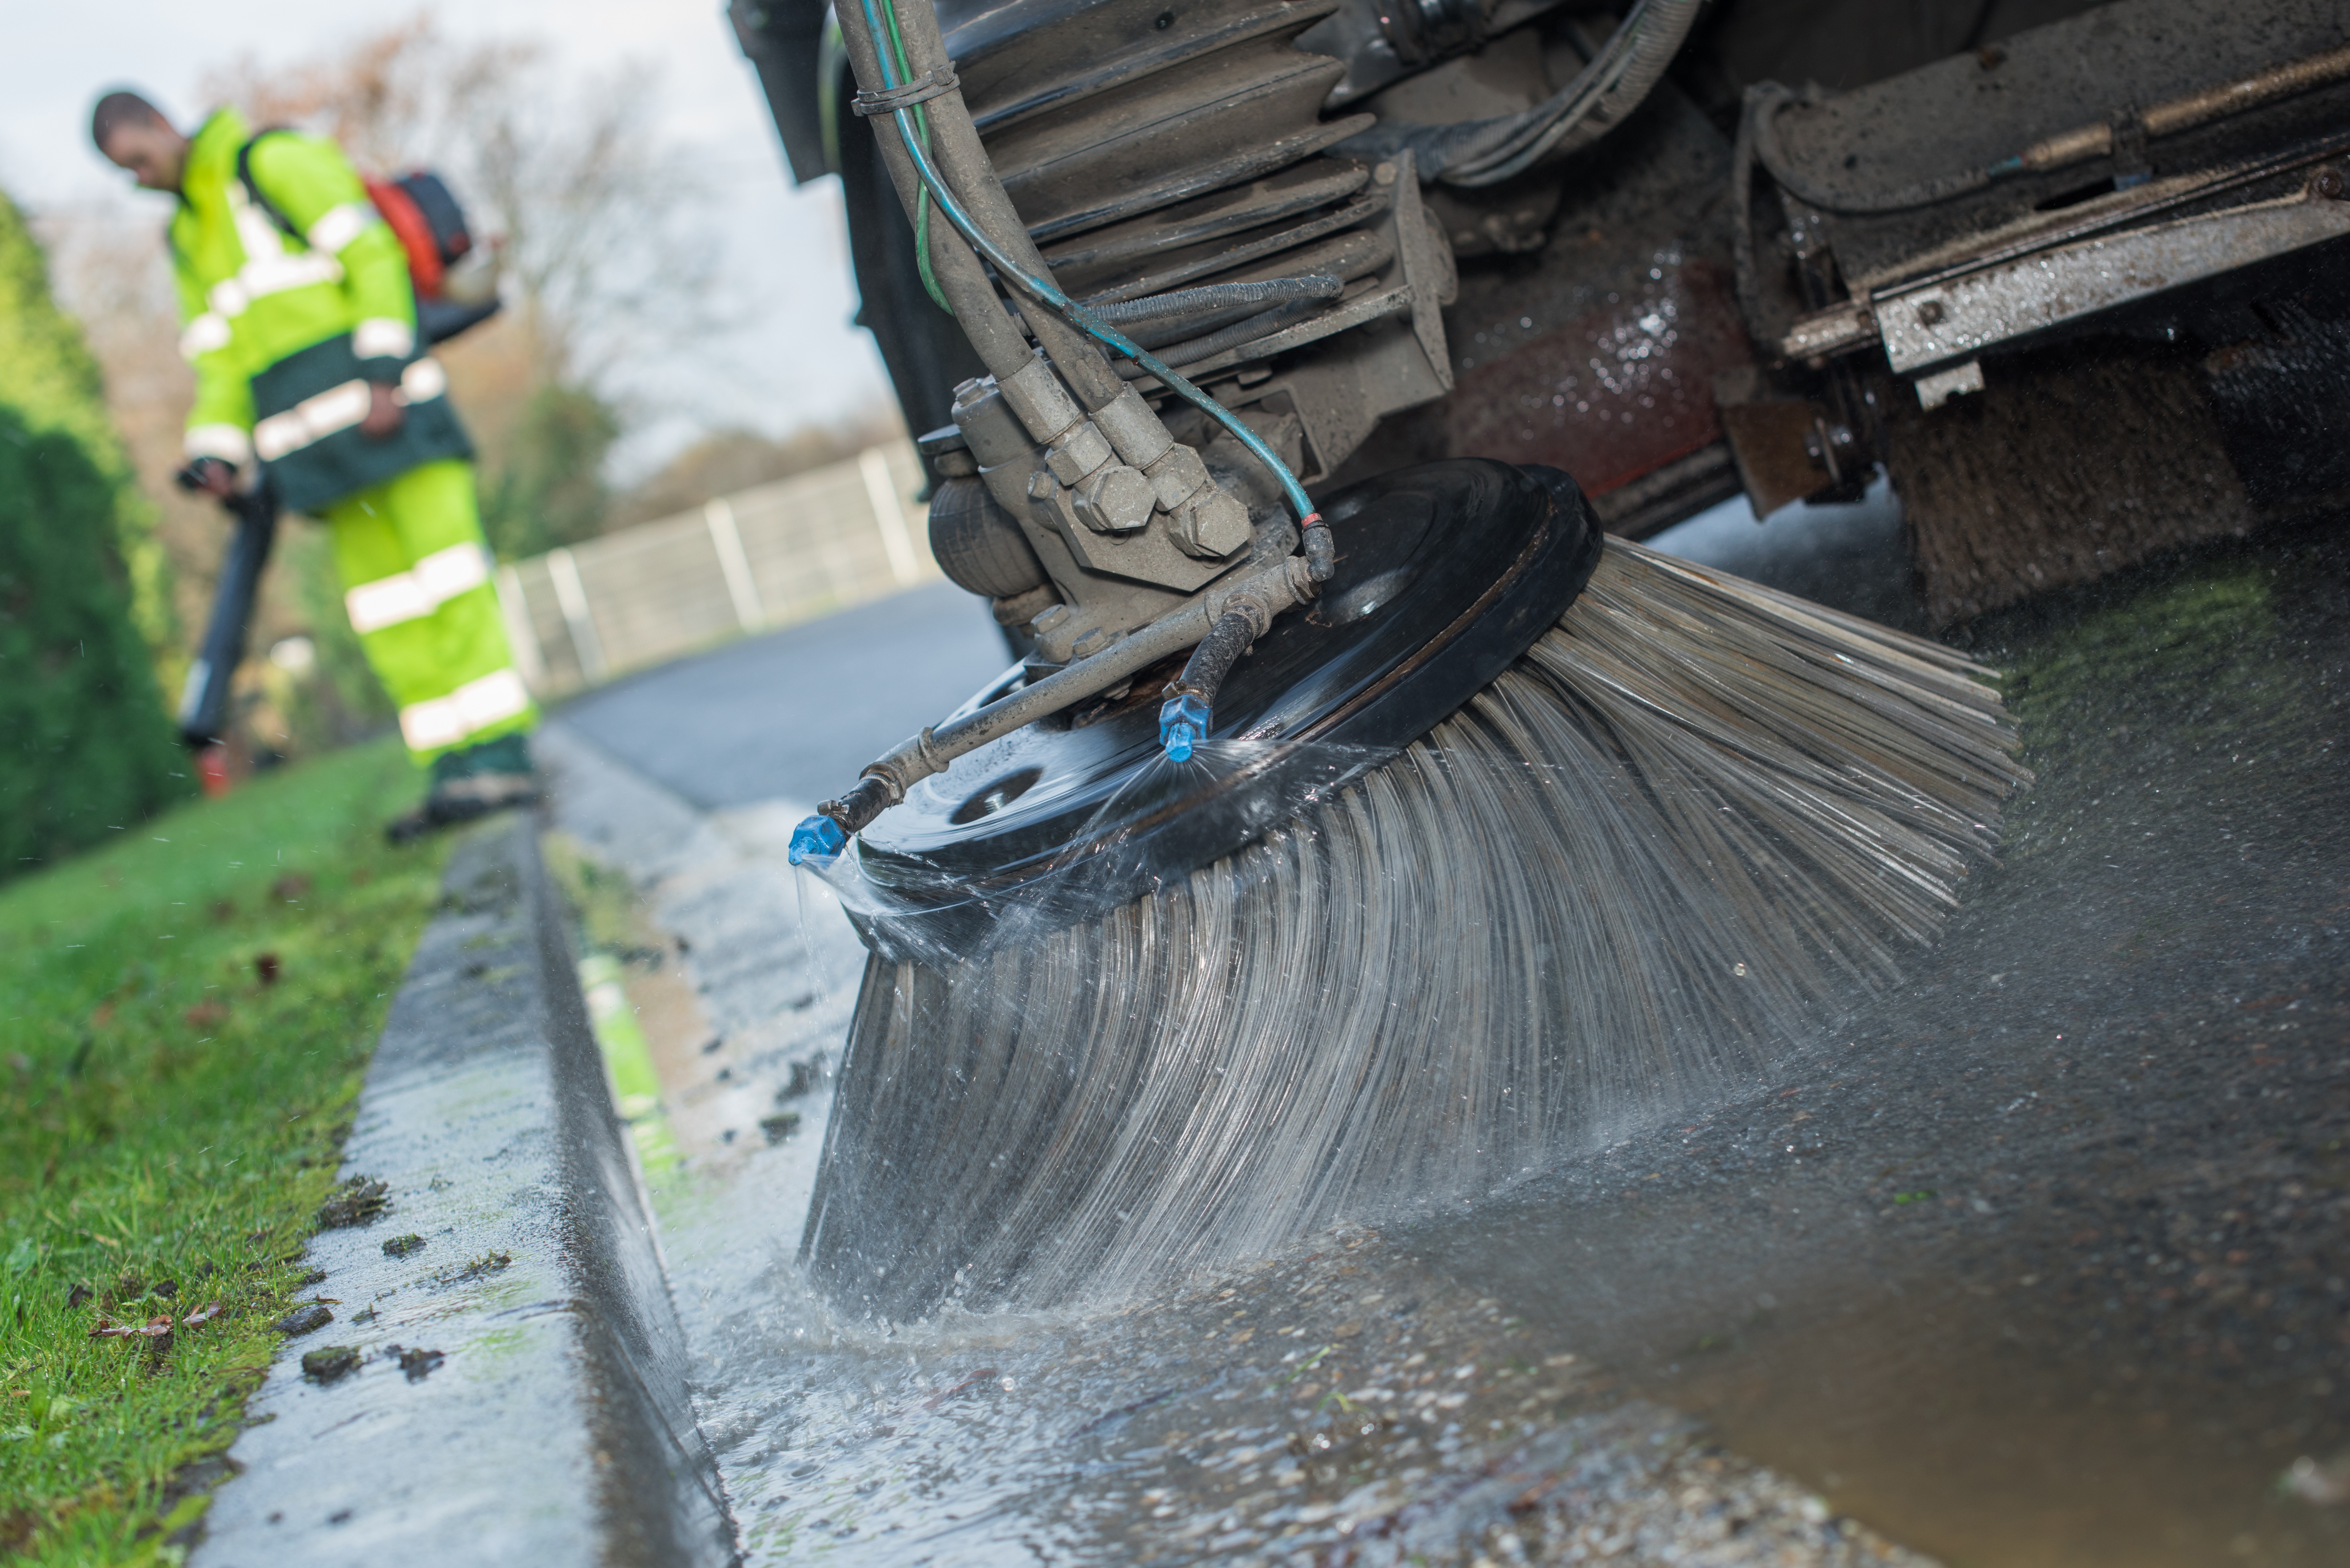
(796, 359)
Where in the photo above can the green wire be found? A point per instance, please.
(922, 198)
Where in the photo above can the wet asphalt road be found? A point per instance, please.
(797, 713)
(2040, 1259)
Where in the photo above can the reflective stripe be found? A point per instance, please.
(340, 408)
(269, 267)
(459, 569)
(380, 337)
(430, 725)
(422, 381)
(387, 601)
(418, 591)
(335, 409)
(340, 226)
(205, 334)
(227, 442)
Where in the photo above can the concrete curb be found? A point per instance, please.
(556, 1428)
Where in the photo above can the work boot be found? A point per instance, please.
(471, 783)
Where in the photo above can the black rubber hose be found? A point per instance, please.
(1204, 671)
(856, 810)
(1613, 83)
(1188, 701)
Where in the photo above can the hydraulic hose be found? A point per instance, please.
(954, 266)
(1617, 80)
(953, 148)
(951, 125)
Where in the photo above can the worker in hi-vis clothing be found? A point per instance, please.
(309, 369)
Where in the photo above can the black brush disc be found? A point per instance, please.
(1445, 574)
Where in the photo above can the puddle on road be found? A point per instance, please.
(2042, 1260)
(2039, 1260)
(1341, 1405)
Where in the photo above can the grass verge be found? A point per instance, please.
(185, 1014)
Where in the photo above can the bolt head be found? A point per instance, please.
(1115, 500)
(2332, 186)
(1932, 313)
(1211, 527)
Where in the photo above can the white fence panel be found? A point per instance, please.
(780, 553)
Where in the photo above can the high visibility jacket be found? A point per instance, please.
(287, 333)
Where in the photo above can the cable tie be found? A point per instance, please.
(922, 89)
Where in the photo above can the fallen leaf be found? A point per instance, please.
(204, 1313)
(153, 1328)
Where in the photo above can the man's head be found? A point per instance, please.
(134, 134)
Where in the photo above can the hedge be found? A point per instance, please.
(86, 744)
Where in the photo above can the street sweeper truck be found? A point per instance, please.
(1368, 811)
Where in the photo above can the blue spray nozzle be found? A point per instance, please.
(1182, 725)
(817, 839)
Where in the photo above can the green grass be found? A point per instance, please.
(168, 1117)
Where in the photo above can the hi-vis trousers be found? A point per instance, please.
(416, 581)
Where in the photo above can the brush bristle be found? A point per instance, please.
(1690, 820)
(2061, 471)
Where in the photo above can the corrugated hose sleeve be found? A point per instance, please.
(1181, 303)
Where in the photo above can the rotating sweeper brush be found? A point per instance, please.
(1323, 861)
